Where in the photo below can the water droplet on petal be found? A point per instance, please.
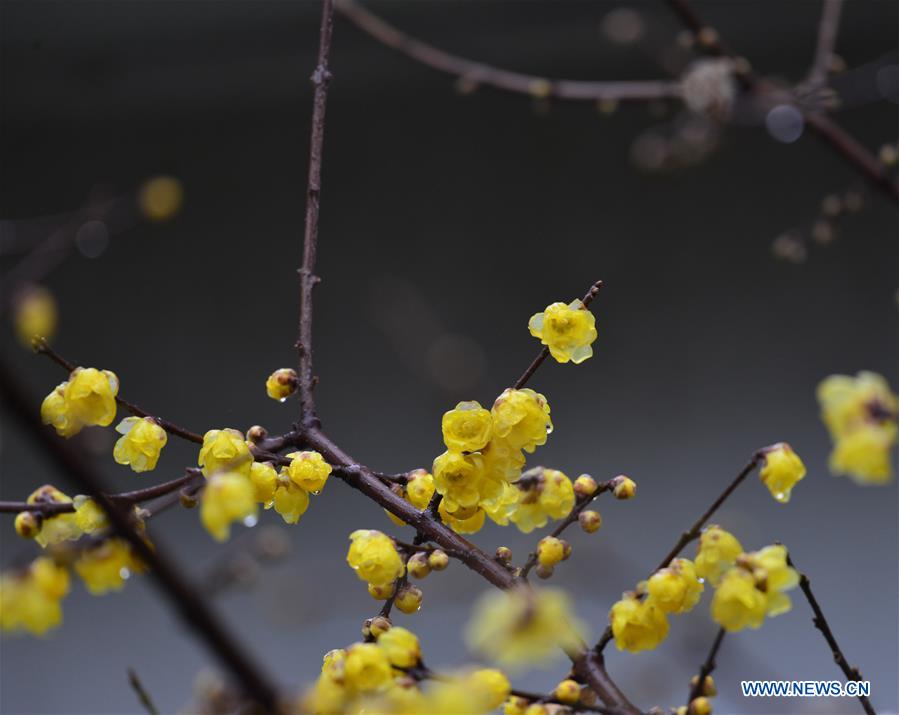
(125, 573)
(250, 521)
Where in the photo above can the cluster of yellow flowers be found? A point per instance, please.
(522, 626)
(30, 598)
(86, 518)
(86, 398)
(748, 586)
(567, 330)
(861, 414)
(379, 676)
(376, 560)
(236, 484)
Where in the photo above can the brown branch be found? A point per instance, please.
(580, 505)
(707, 667)
(321, 77)
(190, 606)
(496, 77)
(544, 353)
(141, 692)
(831, 133)
(122, 499)
(43, 348)
(693, 532)
(820, 621)
(828, 28)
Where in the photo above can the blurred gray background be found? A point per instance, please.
(447, 221)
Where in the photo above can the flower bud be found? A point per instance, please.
(585, 486)
(417, 565)
(700, 706)
(708, 685)
(624, 487)
(504, 555)
(256, 434)
(378, 626)
(188, 499)
(550, 551)
(408, 600)
(543, 571)
(438, 560)
(380, 592)
(28, 524)
(590, 521)
(568, 692)
(281, 384)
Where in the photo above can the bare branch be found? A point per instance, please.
(820, 621)
(479, 73)
(707, 667)
(142, 695)
(828, 28)
(321, 77)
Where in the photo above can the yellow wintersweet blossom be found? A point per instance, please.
(754, 588)
(501, 507)
(521, 418)
(523, 626)
(773, 575)
(107, 566)
(737, 602)
(265, 480)
(718, 551)
(228, 497)
(374, 558)
(281, 384)
(90, 396)
(861, 414)
(467, 428)
(290, 501)
(865, 455)
(637, 624)
(30, 599)
(463, 521)
(418, 490)
(781, 470)
(567, 330)
(366, 667)
(462, 480)
(675, 589)
(545, 494)
(55, 412)
(308, 470)
(58, 528)
(87, 398)
(401, 646)
(141, 442)
(225, 449)
(89, 517)
(34, 314)
(492, 683)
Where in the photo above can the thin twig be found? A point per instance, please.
(122, 499)
(321, 78)
(544, 353)
(43, 348)
(581, 504)
(707, 667)
(828, 28)
(820, 621)
(142, 695)
(478, 73)
(193, 610)
(694, 531)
